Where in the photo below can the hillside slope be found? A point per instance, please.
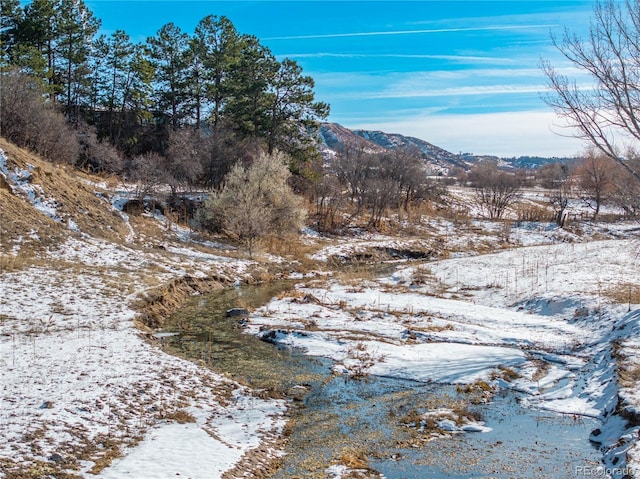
(82, 383)
(43, 203)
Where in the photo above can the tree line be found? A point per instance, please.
(205, 91)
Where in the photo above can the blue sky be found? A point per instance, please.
(463, 74)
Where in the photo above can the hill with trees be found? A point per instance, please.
(213, 91)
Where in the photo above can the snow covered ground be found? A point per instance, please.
(83, 391)
(80, 383)
(541, 311)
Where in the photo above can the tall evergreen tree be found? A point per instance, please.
(115, 54)
(292, 109)
(168, 53)
(196, 82)
(11, 15)
(35, 42)
(218, 45)
(75, 32)
(248, 107)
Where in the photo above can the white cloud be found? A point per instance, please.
(457, 91)
(509, 134)
(412, 32)
(473, 59)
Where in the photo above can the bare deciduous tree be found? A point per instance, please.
(495, 190)
(184, 158)
(607, 112)
(378, 182)
(626, 190)
(30, 122)
(147, 172)
(552, 174)
(329, 200)
(595, 174)
(97, 155)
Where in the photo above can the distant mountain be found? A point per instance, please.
(533, 162)
(429, 151)
(336, 138)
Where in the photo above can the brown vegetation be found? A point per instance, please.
(255, 203)
(75, 198)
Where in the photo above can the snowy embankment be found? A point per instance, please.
(80, 385)
(83, 392)
(542, 312)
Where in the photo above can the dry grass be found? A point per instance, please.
(421, 276)
(111, 452)
(533, 212)
(432, 328)
(25, 231)
(38, 470)
(629, 376)
(354, 459)
(180, 416)
(462, 414)
(293, 248)
(30, 255)
(628, 369)
(413, 417)
(542, 369)
(505, 373)
(478, 392)
(624, 293)
(356, 275)
(76, 200)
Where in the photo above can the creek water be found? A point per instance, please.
(337, 417)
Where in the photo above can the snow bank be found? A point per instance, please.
(76, 371)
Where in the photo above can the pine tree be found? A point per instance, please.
(217, 43)
(115, 54)
(75, 31)
(292, 110)
(11, 16)
(248, 107)
(34, 49)
(168, 53)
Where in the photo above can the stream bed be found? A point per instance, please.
(334, 418)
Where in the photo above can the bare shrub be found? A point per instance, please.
(595, 175)
(148, 173)
(528, 212)
(329, 201)
(363, 360)
(184, 158)
(378, 182)
(255, 202)
(28, 121)
(95, 155)
(626, 189)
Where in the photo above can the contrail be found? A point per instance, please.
(412, 32)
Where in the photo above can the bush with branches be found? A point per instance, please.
(255, 202)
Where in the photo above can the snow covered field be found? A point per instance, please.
(83, 390)
(541, 311)
(81, 384)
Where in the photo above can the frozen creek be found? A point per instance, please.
(423, 359)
